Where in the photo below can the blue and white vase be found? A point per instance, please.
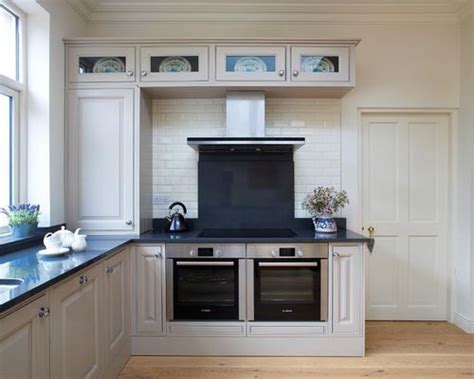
(324, 224)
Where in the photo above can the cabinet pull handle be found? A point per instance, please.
(337, 254)
(83, 279)
(158, 255)
(43, 312)
(110, 270)
(281, 72)
(144, 73)
(295, 73)
(130, 73)
(129, 222)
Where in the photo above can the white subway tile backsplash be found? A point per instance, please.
(175, 163)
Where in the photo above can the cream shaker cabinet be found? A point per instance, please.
(77, 339)
(24, 341)
(348, 287)
(148, 290)
(101, 160)
(117, 311)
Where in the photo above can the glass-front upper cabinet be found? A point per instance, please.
(323, 64)
(101, 64)
(167, 63)
(252, 63)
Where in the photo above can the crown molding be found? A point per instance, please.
(335, 11)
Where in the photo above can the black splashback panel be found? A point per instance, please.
(246, 190)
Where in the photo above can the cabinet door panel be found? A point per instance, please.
(117, 295)
(166, 63)
(24, 342)
(320, 64)
(348, 293)
(149, 288)
(101, 159)
(101, 64)
(76, 318)
(237, 63)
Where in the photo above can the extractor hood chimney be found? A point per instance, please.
(245, 128)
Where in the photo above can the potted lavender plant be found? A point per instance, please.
(322, 204)
(23, 219)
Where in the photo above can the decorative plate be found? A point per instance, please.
(317, 64)
(53, 252)
(175, 64)
(250, 64)
(108, 65)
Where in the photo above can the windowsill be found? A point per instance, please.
(9, 243)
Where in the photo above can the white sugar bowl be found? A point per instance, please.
(79, 243)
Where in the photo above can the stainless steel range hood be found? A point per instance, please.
(245, 128)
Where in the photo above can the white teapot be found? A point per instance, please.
(65, 236)
(79, 243)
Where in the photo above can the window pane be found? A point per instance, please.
(5, 150)
(8, 43)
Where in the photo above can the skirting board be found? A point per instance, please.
(244, 346)
(463, 323)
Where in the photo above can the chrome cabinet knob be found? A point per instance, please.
(110, 270)
(130, 73)
(158, 255)
(192, 253)
(299, 253)
(83, 279)
(43, 312)
(295, 72)
(281, 72)
(336, 254)
(218, 253)
(273, 253)
(144, 73)
(129, 222)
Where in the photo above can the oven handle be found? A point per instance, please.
(288, 264)
(207, 263)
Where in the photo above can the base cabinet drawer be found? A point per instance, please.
(221, 329)
(288, 330)
(24, 341)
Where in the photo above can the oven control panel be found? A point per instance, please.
(185, 250)
(303, 250)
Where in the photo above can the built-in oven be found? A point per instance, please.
(287, 282)
(205, 282)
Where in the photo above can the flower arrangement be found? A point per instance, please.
(22, 218)
(325, 201)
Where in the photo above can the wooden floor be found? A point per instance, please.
(394, 350)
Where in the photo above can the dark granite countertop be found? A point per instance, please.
(39, 273)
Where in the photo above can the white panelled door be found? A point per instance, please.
(405, 198)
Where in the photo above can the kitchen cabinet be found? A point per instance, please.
(174, 63)
(77, 342)
(24, 341)
(320, 63)
(101, 64)
(250, 63)
(101, 160)
(117, 311)
(348, 294)
(148, 308)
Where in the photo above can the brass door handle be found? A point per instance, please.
(371, 231)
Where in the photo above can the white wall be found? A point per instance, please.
(318, 162)
(47, 24)
(464, 257)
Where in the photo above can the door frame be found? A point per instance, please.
(452, 114)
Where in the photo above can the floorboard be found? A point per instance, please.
(394, 350)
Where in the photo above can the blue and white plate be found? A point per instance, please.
(250, 64)
(175, 64)
(108, 65)
(317, 64)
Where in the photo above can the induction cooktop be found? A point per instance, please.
(246, 233)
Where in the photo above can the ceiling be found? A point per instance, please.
(154, 10)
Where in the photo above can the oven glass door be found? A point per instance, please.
(287, 290)
(206, 289)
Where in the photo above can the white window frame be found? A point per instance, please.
(16, 90)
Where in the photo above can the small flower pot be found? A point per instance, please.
(25, 230)
(324, 224)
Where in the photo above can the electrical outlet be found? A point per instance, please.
(160, 199)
